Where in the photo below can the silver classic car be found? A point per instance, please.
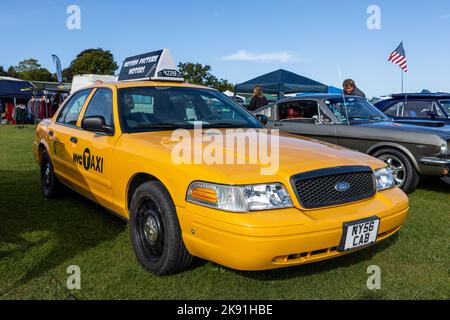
(410, 151)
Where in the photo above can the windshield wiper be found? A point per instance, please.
(356, 118)
(223, 125)
(163, 126)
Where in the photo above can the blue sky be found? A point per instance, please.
(243, 39)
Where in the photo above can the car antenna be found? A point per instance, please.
(343, 96)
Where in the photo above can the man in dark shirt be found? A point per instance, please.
(350, 89)
(258, 99)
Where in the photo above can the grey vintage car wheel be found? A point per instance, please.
(397, 167)
(405, 174)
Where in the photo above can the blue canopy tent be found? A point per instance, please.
(281, 82)
(18, 89)
(331, 90)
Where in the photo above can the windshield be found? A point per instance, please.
(446, 105)
(168, 108)
(354, 110)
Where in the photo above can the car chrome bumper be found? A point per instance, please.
(435, 161)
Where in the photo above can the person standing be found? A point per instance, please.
(350, 89)
(258, 99)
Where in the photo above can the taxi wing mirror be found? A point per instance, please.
(96, 124)
(262, 118)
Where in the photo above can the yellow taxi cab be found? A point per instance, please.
(114, 143)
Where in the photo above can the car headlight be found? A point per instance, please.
(444, 148)
(385, 179)
(239, 198)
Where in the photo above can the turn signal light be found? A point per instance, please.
(204, 195)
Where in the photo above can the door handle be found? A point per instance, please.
(73, 140)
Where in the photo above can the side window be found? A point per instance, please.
(300, 111)
(71, 112)
(137, 107)
(418, 109)
(396, 110)
(101, 105)
(218, 109)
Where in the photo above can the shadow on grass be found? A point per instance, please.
(319, 267)
(41, 234)
(436, 184)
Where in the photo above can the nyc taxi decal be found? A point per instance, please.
(88, 161)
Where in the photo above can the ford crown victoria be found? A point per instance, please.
(114, 143)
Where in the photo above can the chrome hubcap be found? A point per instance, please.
(151, 229)
(397, 167)
(47, 174)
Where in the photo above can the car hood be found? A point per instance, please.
(295, 155)
(443, 132)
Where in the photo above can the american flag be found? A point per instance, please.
(398, 57)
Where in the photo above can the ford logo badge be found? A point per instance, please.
(342, 186)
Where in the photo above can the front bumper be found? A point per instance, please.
(281, 238)
(435, 161)
(442, 163)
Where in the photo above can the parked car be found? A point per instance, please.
(410, 151)
(114, 143)
(425, 109)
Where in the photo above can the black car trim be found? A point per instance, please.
(331, 172)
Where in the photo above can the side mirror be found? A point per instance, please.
(262, 118)
(96, 124)
(432, 114)
(317, 120)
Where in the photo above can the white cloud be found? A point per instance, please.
(445, 16)
(266, 57)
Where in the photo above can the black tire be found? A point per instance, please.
(155, 231)
(50, 185)
(410, 178)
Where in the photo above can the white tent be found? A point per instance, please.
(231, 94)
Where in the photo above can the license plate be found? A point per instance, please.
(361, 233)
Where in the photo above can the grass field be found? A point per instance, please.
(40, 238)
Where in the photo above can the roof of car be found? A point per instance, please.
(147, 83)
(421, 95)
(315, 96)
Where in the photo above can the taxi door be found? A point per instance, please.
(60, 138)
(94, 149)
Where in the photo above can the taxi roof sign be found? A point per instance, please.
(156, 65)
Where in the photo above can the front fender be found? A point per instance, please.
(398, 146)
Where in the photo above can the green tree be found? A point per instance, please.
(12, 72)
(91, 61)
(3, 72)
(197, 73)
(27, 65)
(31, 69)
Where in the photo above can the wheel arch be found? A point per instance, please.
(137, 180)
(396, 146)
(43, 146)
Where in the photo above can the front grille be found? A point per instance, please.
(317, 189)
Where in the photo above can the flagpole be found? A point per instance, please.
(402, 80)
